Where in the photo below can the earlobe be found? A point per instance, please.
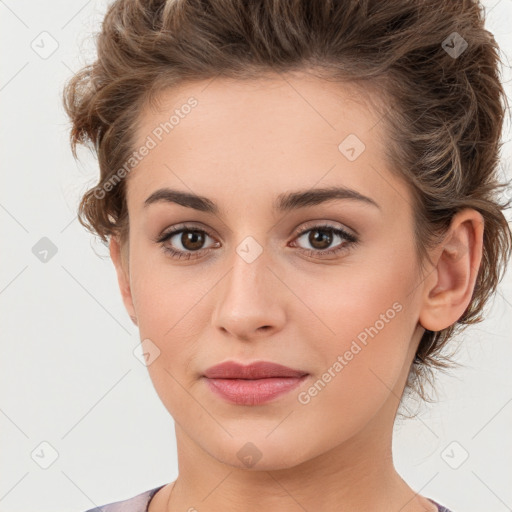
(449, 287)
(123, 277)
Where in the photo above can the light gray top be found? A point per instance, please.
(140, 503)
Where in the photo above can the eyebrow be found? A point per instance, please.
(285, 202)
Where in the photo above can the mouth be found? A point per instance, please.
(254, 384)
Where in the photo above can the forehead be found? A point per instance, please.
(265, 105)
(219, 137)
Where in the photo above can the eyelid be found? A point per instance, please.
(176, 228)
(349, 239)
(301, 229)
(315, 224)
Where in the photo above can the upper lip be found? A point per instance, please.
(257, 370)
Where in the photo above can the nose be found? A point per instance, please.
(251, 300)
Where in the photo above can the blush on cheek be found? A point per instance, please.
(372, 333)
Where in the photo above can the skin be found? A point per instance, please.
(242, 145)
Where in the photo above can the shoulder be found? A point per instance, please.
(138, 503)
(440, 507)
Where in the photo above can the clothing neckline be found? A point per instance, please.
(152, 493)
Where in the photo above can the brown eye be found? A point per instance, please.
(320, 239)
(184, 243)
(192, 240)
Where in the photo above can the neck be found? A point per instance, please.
(357, 475)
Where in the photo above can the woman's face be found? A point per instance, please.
(258, 277)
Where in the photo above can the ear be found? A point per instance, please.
(449, 286)
(120, 261)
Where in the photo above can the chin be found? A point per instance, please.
(259, 454)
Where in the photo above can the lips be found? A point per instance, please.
(254, 384)
(258, 370)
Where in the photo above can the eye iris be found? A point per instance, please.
(195, 237)
(325, 241)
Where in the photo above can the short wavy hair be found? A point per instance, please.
(433, 61)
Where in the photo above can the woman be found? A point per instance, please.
(300, 203)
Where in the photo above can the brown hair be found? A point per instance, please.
(444, 121)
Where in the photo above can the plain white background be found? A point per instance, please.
(74, 397)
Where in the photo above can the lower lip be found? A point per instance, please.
(253, 392)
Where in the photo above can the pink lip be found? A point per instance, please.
(257, 370)
(254, 384)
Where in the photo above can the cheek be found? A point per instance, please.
(365, 315)
(167, 305)
(170, 305)
(361, 355)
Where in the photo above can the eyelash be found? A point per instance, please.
(350, 239)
